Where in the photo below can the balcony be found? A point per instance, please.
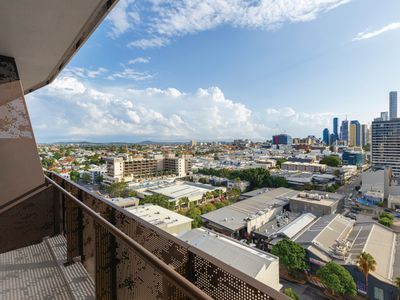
(103, 252)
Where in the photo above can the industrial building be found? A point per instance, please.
(339, 239)
(241, 218)
(316, 202)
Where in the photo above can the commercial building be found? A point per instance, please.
(355, 158)
(344, 131)
(339, 239)
(163, 218)
(385, 149)
(282, 139)
(335, 128)
(316, 202)
(325, 136)
(355, 133)
(393, 105)
(241, 218)
(364, 135)
(255, 263)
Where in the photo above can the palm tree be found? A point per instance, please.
(366, 263)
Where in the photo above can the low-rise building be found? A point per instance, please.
(303, 166)
(241, 218)
(316, 202)
(163, 218)
(339, 239)
(255, 263)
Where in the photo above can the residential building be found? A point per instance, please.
(385, 150)
(316, 202)
(306, 167)
(257, 264)
(165, 219)
(392, 105)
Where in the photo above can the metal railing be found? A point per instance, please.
(130, 258)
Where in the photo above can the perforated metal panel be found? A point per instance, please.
(127, 275)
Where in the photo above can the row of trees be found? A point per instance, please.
(256, 177)
(333, 276)
(386, 219)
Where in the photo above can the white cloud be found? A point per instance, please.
(122, 18)
(71, 109)
(129, 73)
(139, 60)
(84, 73)
(371, 34)
(155, 42)
(163, 20)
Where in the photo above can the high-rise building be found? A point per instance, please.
(385, 116)
(355, 133)
(325, 136)
(364, 134)
(344, 131)
(385, 149)
(393, 105)
(336, 127)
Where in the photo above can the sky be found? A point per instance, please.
(178, 70)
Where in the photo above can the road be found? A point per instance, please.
(349, 187)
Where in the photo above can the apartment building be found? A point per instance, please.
(128, 168)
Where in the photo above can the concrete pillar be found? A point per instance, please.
(20, 169)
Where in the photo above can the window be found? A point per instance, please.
(378, 293)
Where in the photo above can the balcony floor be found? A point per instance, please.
(37, 272)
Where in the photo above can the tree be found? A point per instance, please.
(86, 177)
(291, 255)
(366, 263)
(332, 161)
(397, 282)
(184, 201)
(386, 219)
(290, 293)
(99, 179)
(336, 278)
(206, 208)
(74, 175)
(280, 161)
(195, 213)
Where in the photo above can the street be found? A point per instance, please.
(305, 291)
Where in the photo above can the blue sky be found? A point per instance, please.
(223, 69)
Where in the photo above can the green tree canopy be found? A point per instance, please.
(290, 293)
(86, 177)
(291, 255)
(336, 278)
(332, 161)
(74, 175)
(366, 263)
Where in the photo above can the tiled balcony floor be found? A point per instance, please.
(37, 272)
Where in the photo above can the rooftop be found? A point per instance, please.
(159, 216)
(234, 216)
(187, 189)
(318, 198)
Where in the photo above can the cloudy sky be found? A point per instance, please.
(175, 70)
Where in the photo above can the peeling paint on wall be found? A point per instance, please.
(14, 121)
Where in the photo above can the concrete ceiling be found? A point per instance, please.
(43, 35)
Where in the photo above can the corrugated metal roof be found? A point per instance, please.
(297, 225)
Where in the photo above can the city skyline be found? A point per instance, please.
(174, 79)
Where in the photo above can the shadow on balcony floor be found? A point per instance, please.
(37, 272)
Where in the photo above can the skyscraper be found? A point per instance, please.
(355, 133)
(344, 131)
(393, 105)
(325, 136)
(385, 145)
(335, 128)
(364, 134)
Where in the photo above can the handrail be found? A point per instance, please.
(189, 288)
